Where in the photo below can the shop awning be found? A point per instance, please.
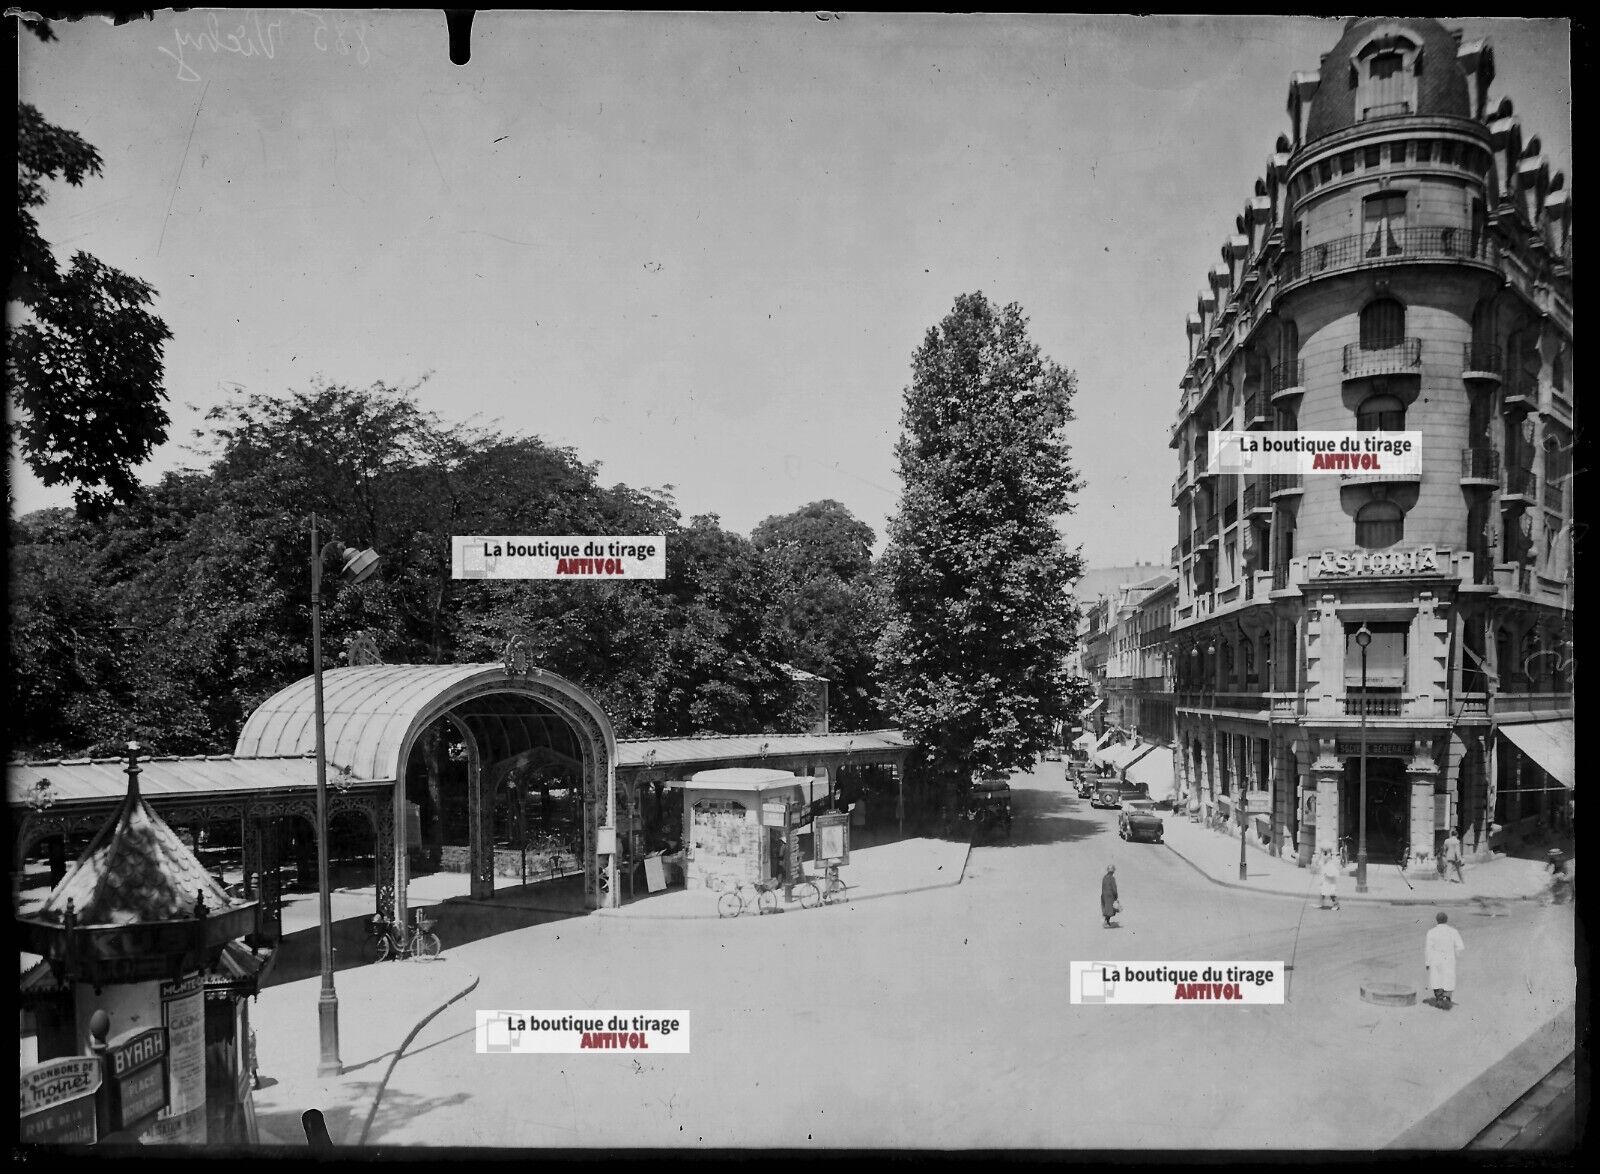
(1084, 741)
(1099, 701)
(1121, 754)
(1550, 744)
(1154, 769)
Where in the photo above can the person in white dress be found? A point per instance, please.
(1439, 954)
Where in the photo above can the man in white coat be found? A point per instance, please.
(1439, 954)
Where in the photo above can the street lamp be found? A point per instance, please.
(1363, 638)
(354, 566)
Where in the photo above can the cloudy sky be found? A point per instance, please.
(699, 249)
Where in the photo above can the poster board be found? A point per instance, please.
(655, 874)
(832, 843)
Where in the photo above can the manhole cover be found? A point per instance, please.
(1389, 994)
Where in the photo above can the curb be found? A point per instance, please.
(1460, 1119)
(1365, 898)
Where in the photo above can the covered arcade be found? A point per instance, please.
(425, 726)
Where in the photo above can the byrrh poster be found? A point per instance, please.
(638, 411)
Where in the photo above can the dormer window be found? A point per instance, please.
(1385, 72)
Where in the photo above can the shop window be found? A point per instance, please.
(1379, 524)
(1381, 413)
(1386, 655)
(1383, 324)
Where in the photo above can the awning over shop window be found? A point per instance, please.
(1104, 739)
(1099, 701)
(1154, 769)
(1550, 744)
(1084, 741)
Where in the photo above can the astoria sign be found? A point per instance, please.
(1417, 560)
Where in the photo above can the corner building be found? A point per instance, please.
(1403, 264)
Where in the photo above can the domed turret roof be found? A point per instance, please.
(1441, 86)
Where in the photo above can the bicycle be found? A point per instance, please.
(733, 901)
(387, 940)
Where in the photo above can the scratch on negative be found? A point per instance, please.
(173, 194)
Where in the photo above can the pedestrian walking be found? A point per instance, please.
(1110, 906)
(1560, 879)
(1330, 880)
(1439, 955)
(1451, 854)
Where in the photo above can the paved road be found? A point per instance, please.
(941, 1019)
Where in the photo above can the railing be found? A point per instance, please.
(1521, 483)
(1280, 578)
(1253, 496)
(1230, 514)
(1387, 110)
(1480, 464)
(1287, 375)
(1472, 703)
(1210, 699)
(1402, 355)
(1211, 528)
(1355, 704)
(1174, 561)
(1482, 358)
(1387, 246)
(1249, 585)
(1284, 483)
(1531, 702)
(1255, 407)
(1482, 564)
(1186, 544)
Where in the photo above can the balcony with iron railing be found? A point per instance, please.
(1280, 577)
(1480, 466)
(1521, 488)
(1256, 410)
(1284, 484)
(1387, 246)
(1255, 497)
(1479, 360)
(1186, 543)
(1288, 378)
(1174, 561)
(1401, 356)
(1555, 494)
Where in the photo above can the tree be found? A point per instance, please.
(977, 579)
(821, 559)
(85, 355)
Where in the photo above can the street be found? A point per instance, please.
(941, 1019)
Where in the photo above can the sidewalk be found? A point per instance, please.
(287, 1039)
(1216, 856)
(906, 866)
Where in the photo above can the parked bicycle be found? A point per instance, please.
(386, 939)
(761, 896)
(824, 890)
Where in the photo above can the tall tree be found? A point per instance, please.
(980, 616)
(84, 355)
(820, 556)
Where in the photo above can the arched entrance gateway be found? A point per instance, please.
(499, 717)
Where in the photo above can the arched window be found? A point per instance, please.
(1379, 524)
(1383, 324)
(1381, 413)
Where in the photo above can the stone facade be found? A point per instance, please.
(1404, 264)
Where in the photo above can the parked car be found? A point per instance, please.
(1052, 754)
(1113, 792)
(1139, 821)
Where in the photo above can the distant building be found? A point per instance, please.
(1403, 264)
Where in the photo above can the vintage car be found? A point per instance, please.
(1113, 792)
(989, 805)
(1139, 821)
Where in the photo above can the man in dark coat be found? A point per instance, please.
(1108, 894)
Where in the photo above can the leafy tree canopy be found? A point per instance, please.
(83, 350)
(977, 580)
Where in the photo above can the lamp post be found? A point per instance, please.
(1363, 638)
(356, 565)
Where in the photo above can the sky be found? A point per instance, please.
(699, 249)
